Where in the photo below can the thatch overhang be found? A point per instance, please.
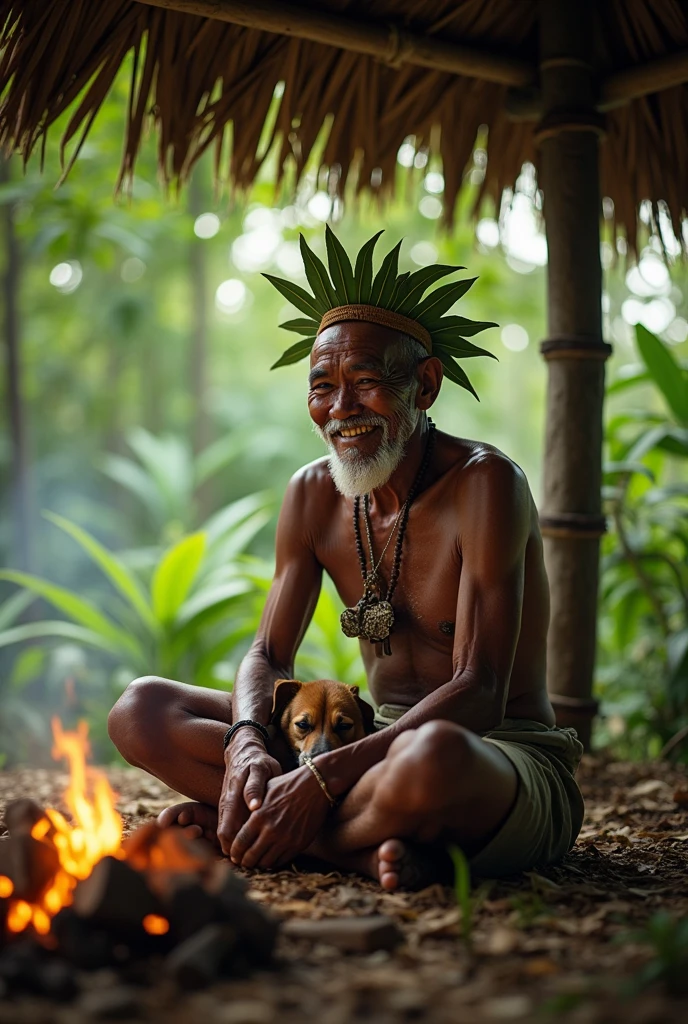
(371, 71)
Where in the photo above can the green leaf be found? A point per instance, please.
(317, 276)
(340, 268)
(298, 297)
(301, 326)
(298, 351)
(75, 607)
(398, 291)
(13, 607)
(442, 299)
(419, 281)
(118, 574)
(383, 285)
(453, 371)
(216, 456)
(628, 376)
(460, 348)
(175, 575)
(460, 325)
(363, 271)
(668, 375)
(63, 631)
(462, 890)
(628, 466)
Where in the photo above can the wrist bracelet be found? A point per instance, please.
(240, 725)
(308, 760)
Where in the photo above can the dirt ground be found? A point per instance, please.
(569, 943)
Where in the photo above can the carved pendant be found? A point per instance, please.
(377, 621)
(350, 622)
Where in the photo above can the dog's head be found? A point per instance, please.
(319, 716)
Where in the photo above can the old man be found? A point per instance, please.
(432, 542)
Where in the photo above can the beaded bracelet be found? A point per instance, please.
(308, 760)
(240, 725)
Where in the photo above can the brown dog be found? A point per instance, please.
(319, 716)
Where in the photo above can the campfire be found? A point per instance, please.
(72, 888)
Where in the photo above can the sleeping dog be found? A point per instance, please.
(319, 716)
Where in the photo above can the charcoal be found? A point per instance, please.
(256, 928)
(351, 934)
(56, 980)
(21, 816)
(202, 958)
(116, 897)
(29, 863)
(190, 908)
(83, 945)
(19, 964)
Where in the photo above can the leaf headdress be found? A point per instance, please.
(387, 297)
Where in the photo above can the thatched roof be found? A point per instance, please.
(409, 67)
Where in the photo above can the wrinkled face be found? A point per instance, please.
(362, 402)
(319, 716)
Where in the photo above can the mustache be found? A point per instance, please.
(334, 426)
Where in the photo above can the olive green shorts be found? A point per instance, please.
(548, 812)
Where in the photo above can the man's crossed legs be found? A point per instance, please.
(438, 784)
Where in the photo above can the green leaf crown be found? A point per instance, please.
(388, 289)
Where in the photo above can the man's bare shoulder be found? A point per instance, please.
(312, 489)
(468, 463)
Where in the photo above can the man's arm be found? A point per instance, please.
(488, 619)
(288, 610)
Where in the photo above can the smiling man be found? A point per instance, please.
(432, 542)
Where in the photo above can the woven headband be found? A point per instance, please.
(377, 315)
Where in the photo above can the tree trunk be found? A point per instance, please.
(571, 520)
(16, 420)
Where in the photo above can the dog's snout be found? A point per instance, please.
(321, 746)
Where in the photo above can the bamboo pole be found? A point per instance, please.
(644, 79)
(575, 354)
(388, 43)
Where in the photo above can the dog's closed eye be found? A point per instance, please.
(304, 725)
(343, 726)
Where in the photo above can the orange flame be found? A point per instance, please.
(154, 924)
(95, 832)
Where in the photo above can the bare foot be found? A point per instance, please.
(196, 819)
(404, 865)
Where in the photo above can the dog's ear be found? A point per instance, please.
(283, 694)
(367, 713)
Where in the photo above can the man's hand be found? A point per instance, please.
(293, 812)
(249, 768)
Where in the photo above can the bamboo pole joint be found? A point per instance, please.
(575, 346)
(572, 525)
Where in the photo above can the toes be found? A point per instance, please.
(389, 880)
(391, 850)
(192, 831)
(169, 816)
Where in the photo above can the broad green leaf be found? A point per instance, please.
(383, 284)
(442, 299)
(216, 456)
(12, 608)
(453, 371)
(317, 276)
(363, 271)
(175, 575)
(627, 467)
(128, 474)
(668, 375)
(419, 281)
(460, 348)
(74, 606)
(648, 440)
(232, 516)
(340, 268)
(212, 599)
(301, 326)
(296, 352)
(298, 297)
(397, 291)
(628, 377)
(119, 575)
(460, 325)
(65, 631)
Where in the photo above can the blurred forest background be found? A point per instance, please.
(146, 445)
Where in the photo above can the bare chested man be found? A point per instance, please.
(467, 751)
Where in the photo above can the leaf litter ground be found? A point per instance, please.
(555, 944)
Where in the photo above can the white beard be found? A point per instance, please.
(354, 473)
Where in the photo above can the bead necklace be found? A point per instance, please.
(373, 617)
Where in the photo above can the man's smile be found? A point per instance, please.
(355, 431)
